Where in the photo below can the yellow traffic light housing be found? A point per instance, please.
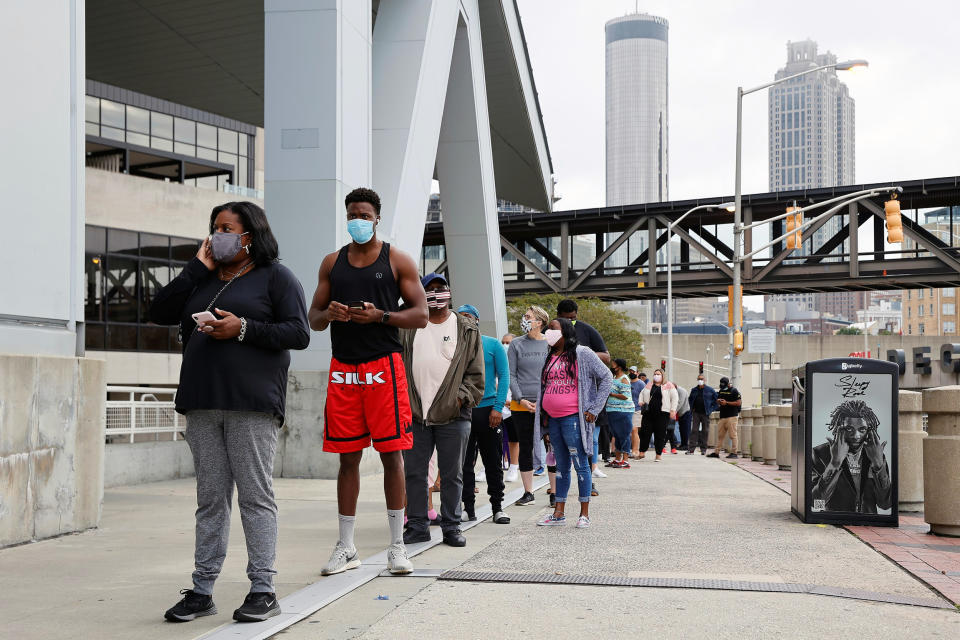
(737, 342)
(730, 316)
(794, 222)
(894, 225)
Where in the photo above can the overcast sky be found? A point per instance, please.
(907, 102)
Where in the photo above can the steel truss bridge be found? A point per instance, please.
(625, 260)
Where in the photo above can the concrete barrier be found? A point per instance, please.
(941, 453)
(127, 464)
(757, 436)
(745, 431)
(52, 421)
(784, 433)
(770, 425)
(911, 436)
(712, 436)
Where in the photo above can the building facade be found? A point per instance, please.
(637, 159)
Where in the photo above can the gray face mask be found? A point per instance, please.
(226, 245)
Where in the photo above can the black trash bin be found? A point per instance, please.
(844, 442)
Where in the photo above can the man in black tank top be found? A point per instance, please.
(358, 297)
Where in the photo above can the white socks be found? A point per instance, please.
(395, 518)
(346, 530)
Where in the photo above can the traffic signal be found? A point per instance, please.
(894, 226)
(794, 222)
(663, 365)
(701, 367)
(737, 342)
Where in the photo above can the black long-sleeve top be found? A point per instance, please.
(226, 374)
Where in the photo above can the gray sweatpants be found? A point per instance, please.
(234, 447)
(450, 441)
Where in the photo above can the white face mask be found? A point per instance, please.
(657, 378)
(700, 383)
(553, 336)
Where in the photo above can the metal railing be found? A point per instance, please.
(243, 192)
(143, 413)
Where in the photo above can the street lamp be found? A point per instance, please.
(735, 363)
(726, 205)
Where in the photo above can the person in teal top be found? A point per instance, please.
(620, 410)
(486, 436)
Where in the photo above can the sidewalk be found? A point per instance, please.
(688, 522)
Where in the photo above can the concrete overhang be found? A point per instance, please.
(209, 55)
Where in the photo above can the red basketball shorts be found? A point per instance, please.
(365, 402)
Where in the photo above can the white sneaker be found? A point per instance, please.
(340, 560)
(481, 476)
(583, 522)
(512, 475)
(599, 474)
(397, 561)
(550, 521)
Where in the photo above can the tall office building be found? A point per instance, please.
(811, 144)
(636, 109)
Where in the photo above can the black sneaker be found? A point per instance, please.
(193, 605)
(411, 536)
(713, 455)
(691, 452)
(257, 607)
(526, 498)
(593, 490)
(732, 455)
(469, 515)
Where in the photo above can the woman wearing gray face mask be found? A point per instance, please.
(250, 312)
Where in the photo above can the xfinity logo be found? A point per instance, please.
(850, 365)
(340, 377)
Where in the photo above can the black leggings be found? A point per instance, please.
(655, 423)
(523, 424)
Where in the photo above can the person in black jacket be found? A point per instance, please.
(233, 383)
(850, 472)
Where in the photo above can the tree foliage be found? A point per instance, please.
(849, 331)
(614, 326)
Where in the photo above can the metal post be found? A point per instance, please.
(735, 364)
(669, 371)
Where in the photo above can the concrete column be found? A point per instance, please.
(758, 435)
(413, 43)
(745, 433)
(941, 452)
(911, 435)
(770, 426)
(712, 436)
(465, 171)
(784, 433)
(317, 122)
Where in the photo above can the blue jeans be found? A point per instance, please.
(621, 424)
(567, 443)
(596, 445)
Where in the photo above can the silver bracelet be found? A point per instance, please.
(243, 330)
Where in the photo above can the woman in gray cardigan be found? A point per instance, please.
(574, 388)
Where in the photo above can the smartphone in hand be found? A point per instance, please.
(203, 317)
(356, 304)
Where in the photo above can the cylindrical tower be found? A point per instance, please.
(636, 109)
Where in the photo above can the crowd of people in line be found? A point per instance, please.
(409, 376)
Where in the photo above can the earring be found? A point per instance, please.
(247, 247)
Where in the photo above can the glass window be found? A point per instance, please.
(161, 125)
(948, 292)
(243, 143)
(920, 327)
(122, 337)
(95, 240)
(120, 241)
(185, 130)
(228, 158)
(138, 119)
(112, 114)
(183, 249)
(241, 177)
(949, 309)
(92, 129)
(920, 311)
(121, 289)
(95, 336)
(206, 136)
(92, 109)
(111, 133)
(93, 289)
(141, 139)
(206, 154)
(227, 140)
(153, 277)
(161, 143)
(154, 338)
(949, 327)
(155, 246)
(184, 149)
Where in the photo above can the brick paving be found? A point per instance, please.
(932, 559)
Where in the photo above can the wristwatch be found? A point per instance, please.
(385, 318)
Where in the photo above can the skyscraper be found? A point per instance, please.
(811, 139)
(636, 109)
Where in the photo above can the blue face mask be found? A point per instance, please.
(360, 230)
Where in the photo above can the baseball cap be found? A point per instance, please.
(469, 308)
(430, 277)
(634, 369)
